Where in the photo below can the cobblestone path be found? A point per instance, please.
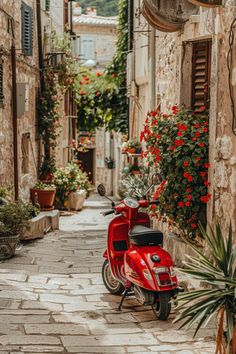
(52, 300)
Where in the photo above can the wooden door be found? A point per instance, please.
(86, 160)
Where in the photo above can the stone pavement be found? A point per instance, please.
(52, 300)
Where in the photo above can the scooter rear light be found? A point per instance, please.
(164, 279)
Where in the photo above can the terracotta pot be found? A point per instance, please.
(45, 198)
(132, 150)
(8, 246)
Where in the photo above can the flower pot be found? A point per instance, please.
(8, 246)
(76, 200)
(138, 150)
(131, 150)
(45, 198)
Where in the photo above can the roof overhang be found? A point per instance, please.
(168, 15)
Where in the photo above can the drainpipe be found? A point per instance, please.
(153, 67)
(15, 125)
(40, 44)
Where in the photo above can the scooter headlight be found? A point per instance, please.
(172, 272)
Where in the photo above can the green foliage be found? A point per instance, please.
(14, 217)
(104, 7)
(177, 146)
(44, 186)
(218, 269)
(133, 186)
(117, 68)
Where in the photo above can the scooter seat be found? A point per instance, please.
(144, 236)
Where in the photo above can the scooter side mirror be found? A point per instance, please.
(101, 190)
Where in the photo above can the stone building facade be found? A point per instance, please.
(168, 58)
(26, 70)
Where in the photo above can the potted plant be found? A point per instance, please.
(110, 163)
(47, 169)
(134, 146)
(14, 218)
(43, 194)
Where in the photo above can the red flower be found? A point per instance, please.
(182, 127)
(142, 136)
(99, 74)
(98, 94)
(179, 142)
(190, 178)
(154, 122)
(201, 109)
(186, 174)
(193, 226)
(189, 197)
(204, 130)
(205, 123)
(197, 125)
(187, 204)
(173, 148)
(83, 93)
(156, 151)
(186, 163)
(203, 174)
(175, 109)
(193, 139)
(146, 120)
(180, 204)
(158, 158)
(207, 165)
(207, 183)
(188, 190)
(153, 114)
(197, 134)
(201, 144)
(198, 158)
(158, 136)
(179, 134)
(205, 198)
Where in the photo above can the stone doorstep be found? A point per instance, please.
(44, 222)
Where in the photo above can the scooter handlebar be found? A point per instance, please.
(108, 212)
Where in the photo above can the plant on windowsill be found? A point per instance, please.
(43, 194)
(177, 147)
(14, 217)
(133, 146)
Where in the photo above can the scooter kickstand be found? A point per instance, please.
(122, 300)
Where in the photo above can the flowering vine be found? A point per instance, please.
(177, 145)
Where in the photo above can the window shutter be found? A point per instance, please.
(66, 13)
(201, 74)
(1, 82)
(27, 29)
(47, 5)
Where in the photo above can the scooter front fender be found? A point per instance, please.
(105, 254)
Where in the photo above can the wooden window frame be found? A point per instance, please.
(197, 47)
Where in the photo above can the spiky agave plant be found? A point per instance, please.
(218, 269)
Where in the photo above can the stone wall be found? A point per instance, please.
(26, 73)
(173, 75)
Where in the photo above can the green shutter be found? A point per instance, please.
(27, 29)
(47, 5)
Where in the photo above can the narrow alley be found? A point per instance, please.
(53, 300)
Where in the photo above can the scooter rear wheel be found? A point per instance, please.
(162, 307)
(112, 285)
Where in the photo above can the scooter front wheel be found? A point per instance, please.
(112, 285)
(162, 307)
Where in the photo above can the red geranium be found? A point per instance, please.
(179, 142)
(186, 163)
(201, 144)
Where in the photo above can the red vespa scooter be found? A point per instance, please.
(135, 261)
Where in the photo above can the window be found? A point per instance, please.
(87, 48)
(47, 5)
(201, 73)
(27, 29)
(1, 81)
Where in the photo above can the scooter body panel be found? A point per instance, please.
(141, 270)
(118, 243)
